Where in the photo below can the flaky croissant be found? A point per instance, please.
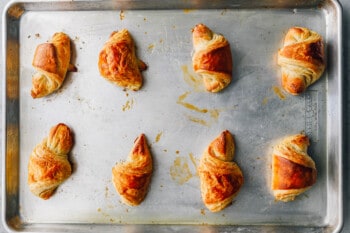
(48, 164)
(293, 170)
(212, 58)
(118, 62)
(132, 178)
(52, 61)
(220, 177)
(302, 59)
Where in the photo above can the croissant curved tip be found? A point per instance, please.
(202, 31)
(60, 139)
(33, 94)
(294, 86)
(223, 146)
(140, 138)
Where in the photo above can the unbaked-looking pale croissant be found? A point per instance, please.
(293, 170)
(52, 61)
(301, 59)
(118, 62)
(48, 164)
(132, 178)
(212, 58)
(220, 177)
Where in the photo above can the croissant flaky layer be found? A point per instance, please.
(302, 59)
(118, 62)
(293, 170)
(220, 177)
(51, 61)
(132, 178)
(212, 58)
(48, 165)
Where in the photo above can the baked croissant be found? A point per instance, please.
(220, 177)
(212, 58)
(48, 164)
(118, 62)
(301, 59)
(52, 61)
(293, 170)
(132, 178)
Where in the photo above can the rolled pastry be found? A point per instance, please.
(132, 178)
(302, 59)
(293, 170)
(48, 165)
(52, 61)
(220, 177)
(212, 58)
(118, 62)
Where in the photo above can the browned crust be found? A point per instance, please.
(290, 175)
(48, 164)
(220, 177)
(51, 61)
(118, 62)
(132, 178)
(45, 57)
(293, 170)
(218, 60)
(60, 139)
(302, 58)
(212, 58)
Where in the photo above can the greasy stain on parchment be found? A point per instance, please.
(190, 106)
(212, 114)
(157, 138)
(180, 171)
(192, 79)
(278, 92)
(150, 47)
(159, 135)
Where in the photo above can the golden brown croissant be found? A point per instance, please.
(301, 59)
(293, 170)
(220, 177)
(118, 62)
(212, 58)
(52, 61)
(132, 178)
(48, 164)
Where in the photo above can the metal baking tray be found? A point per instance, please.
(178, 117)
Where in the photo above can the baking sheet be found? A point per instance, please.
(178, 117)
